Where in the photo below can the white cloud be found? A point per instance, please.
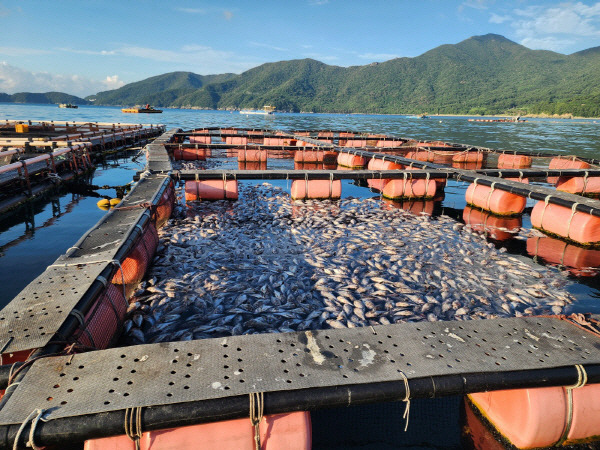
(557, 27)
(495, 18)
(199, 58)
(14, 79)
(476, 4)
(20, 51)
(270, 47)
(318, 2)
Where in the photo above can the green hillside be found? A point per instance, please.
(481, 75)
(161, 90)
(48, 97)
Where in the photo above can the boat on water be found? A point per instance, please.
(68, 105)
(146, 109)
(419, 116)
(267, 110)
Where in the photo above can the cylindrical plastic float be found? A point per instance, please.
(381, 164)
(497, 227)
(256, 165)
(134, 265)
(164, 208)
(313, 156)
(236, 140)
(211, 190)
(467, 165)
(579, 185)
(495, 200)
(509, 161)
(190, 154)
(565, 162)
(468, 157)
(316, 189)
(199, 139)
(356, 143)
(421, 155)
(566, 223)
(410, 188)
(539, 417)
(350, 160)
(103, 320)
(252, 155)
(581, 262)
(278, 431)
(392, 143)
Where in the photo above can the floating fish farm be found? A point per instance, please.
(35, 156)
(238, 287)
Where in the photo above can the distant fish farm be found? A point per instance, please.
(252, 277)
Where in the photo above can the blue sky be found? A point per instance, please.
(82, 47)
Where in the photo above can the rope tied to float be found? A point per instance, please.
(546, 200)
(573, 211)
(83, 325)
(330, 184)
(257, 406)
(133, 425)
(406, 400)
(489, 197)
(35, 416)
(582, 379)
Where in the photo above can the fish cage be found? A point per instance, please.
(253, 277)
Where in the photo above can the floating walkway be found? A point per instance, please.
(35, 156)
(65, 384)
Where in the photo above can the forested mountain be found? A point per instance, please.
(480, 75)
(48, 97)
(161, 90)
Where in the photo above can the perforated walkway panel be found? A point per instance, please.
(169, 373)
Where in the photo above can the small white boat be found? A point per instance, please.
(267, 109)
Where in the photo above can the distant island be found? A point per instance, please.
(481, 75)
(48, 97)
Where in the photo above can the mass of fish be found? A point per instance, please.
(267, 264)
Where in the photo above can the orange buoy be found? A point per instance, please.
(350, 160)
(211, 190)
(277, 431)
(508, 161)
(190, 154)
(103, 320)
(538, 417)
(468, 157)
(355, 143)
(316, 189)
(236, 140)
(467, 165)
(313, 156)
(164, 208)
(254, 165)
(578, 260)
(199, 139)
(497, 227)
(565, 162)
(495, 200)
(381, 164)
(433, 144)
(566, 223)
(579, 185)
(421, 155)
(392, 143)
(274, 141)
(252, 155)
(134, 265)
(409, 188)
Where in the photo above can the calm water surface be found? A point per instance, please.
(34, 236)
